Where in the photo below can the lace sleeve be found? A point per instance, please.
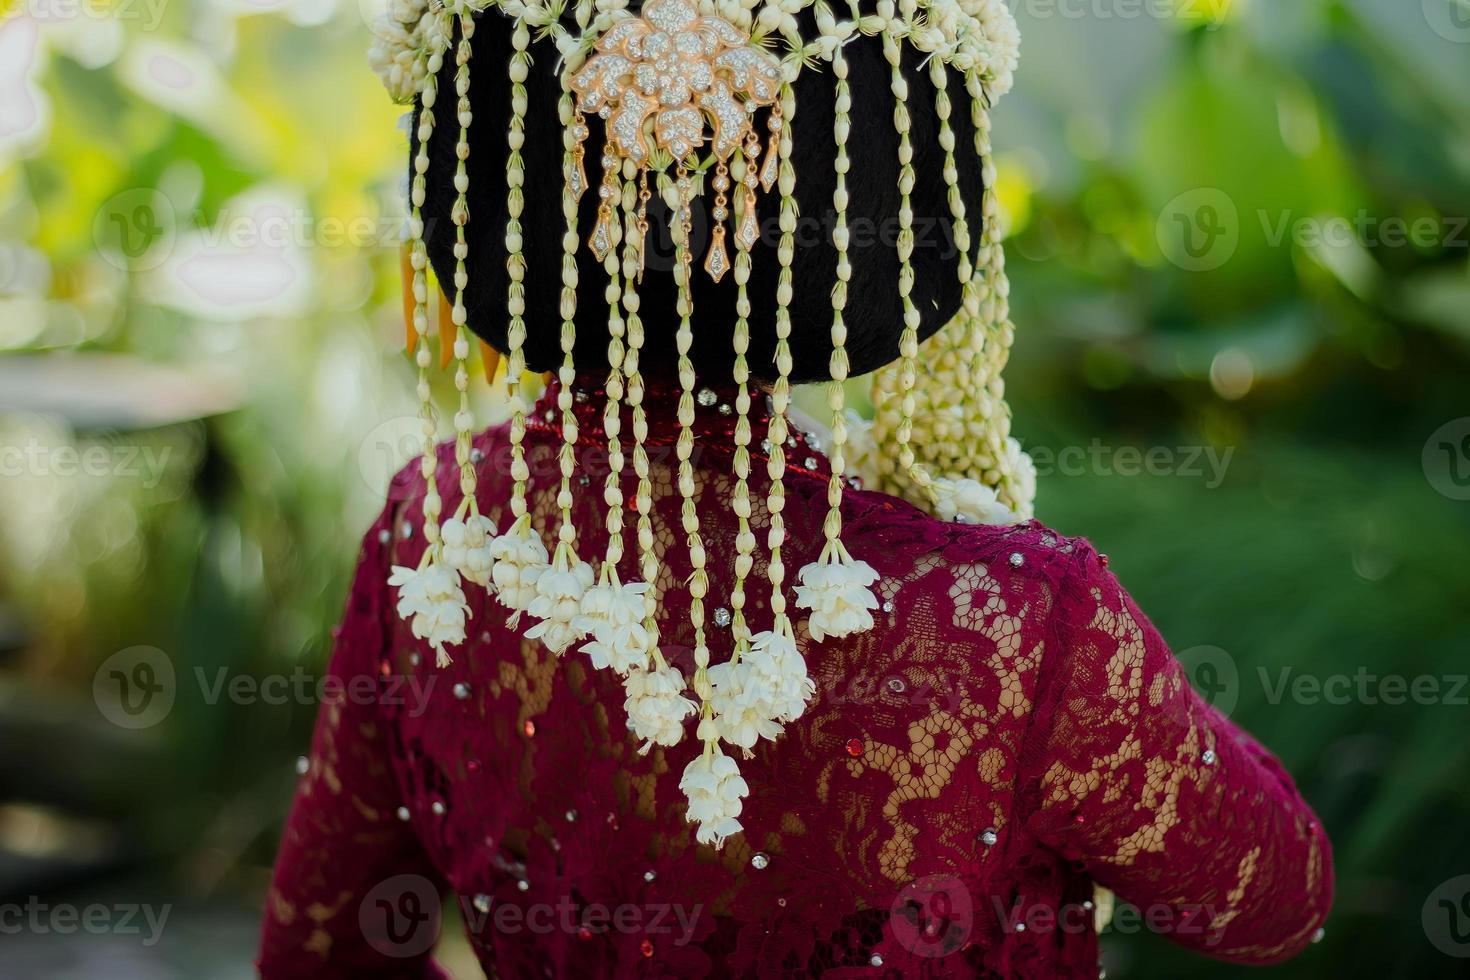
(1160, 798)
(352, 893)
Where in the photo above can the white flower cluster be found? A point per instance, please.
(971, 35)
(998, 26)
(716, 792)
(656, 705)
(613, 616)
(431, 599)
(402, 35)
(969, 502)
(520, 559)
(467, 547)
(961, 432)
(839, 593)
(768, 686)
(558, 603)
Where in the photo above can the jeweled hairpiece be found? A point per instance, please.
(683, 88)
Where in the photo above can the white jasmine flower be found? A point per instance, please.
(744, 712)
(969, 502)
(519, 558)
(998, 25)
(558, 602)
(756, 695)
(401, 35)
(467, 547)
(431, 599)
(1023, 478)
(613, 615)
(656, 705)
(779, 666)
(716, 791)
(836, 590)
(862, 449)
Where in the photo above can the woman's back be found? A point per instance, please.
(1011, 731)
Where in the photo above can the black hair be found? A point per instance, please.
(874, 313)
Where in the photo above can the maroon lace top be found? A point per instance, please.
(1011, 733)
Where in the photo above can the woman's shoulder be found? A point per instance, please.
(887, 530)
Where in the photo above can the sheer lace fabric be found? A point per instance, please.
(1012, 732)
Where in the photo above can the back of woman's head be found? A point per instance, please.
(875, 307)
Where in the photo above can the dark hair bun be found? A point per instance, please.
(874, 311)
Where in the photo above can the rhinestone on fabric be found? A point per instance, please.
(1017, 559)
(461, 691)
(403, 814)
(1208, 757)
(707, 397)
(303, 765)
(722, 617)
(988, 837)
(854, 747)
(760, 861)
(481, 903)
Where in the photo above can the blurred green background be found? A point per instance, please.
(1240, 253)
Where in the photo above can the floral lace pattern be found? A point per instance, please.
(1012, 732)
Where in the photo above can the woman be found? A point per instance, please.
(605, 718)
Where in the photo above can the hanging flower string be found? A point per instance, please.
(679, 88)
(429, 596)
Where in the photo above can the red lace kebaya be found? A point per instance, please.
(1012, 734)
